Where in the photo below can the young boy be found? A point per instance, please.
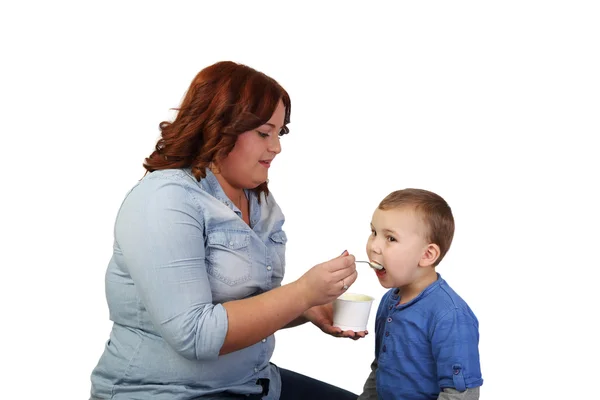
(426, 343)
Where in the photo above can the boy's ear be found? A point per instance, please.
(430, 255)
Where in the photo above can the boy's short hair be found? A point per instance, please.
(433, 209)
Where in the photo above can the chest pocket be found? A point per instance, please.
(278, 239)
(228, 255)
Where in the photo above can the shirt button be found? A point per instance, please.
(230, 243)
(389, 319)
(387, 334)
(264, 340)
(390, 307)
(268, 268)
(255, 370)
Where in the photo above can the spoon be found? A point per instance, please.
(372, 264)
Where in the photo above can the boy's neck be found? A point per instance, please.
(412, 290)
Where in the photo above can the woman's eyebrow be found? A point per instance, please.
(271, 125)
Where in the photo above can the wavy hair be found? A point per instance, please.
(223, 101)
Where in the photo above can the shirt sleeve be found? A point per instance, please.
(160, 233)
(370, 386)
(455, 344)
(453, 394)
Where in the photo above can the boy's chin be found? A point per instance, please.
(387, 285)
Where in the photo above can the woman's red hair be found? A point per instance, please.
(223, 101)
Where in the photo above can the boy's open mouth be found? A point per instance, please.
(379, 269)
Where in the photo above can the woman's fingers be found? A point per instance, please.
(347, 276)
(340, 263)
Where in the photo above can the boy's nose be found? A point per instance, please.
(374, 247)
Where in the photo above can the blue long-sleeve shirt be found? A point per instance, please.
(426, 345)
(180, 251)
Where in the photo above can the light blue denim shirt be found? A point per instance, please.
(181, 249)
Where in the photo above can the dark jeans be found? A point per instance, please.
(295, 386)
(300, 387)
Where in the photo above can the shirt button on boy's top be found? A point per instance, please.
(389, 319)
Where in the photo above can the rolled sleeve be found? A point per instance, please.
(455, 343)
(160, 233)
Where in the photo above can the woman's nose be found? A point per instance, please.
(275, 145)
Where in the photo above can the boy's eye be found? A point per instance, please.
(391, 239)
(373, 232)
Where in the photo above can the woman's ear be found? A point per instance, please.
(430, 255)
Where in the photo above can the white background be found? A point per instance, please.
(493, 105)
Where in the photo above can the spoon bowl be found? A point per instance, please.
(372, 264)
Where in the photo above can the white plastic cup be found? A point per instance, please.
(351, 311)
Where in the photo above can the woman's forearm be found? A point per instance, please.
(258, 317)
(253, 319)
(296, 322)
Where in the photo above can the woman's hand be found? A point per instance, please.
(325, 282)
(322, 318)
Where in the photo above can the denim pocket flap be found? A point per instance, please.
(278, 237)
(229, 239)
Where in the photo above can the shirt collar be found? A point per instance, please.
(395, 297)
(213, 187)
(211, 184)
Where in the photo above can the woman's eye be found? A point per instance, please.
(262, 134)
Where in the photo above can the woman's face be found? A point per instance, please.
(247, 165)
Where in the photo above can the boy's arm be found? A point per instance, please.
(453, 394)
(370, 387)
(455, 348)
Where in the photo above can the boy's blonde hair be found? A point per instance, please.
(433, 209)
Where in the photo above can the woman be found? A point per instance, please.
(194, 283)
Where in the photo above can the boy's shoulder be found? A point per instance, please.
(447, 300)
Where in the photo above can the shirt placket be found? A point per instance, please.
(265, 342)
(391, 314)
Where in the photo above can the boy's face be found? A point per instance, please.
(397, 241)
